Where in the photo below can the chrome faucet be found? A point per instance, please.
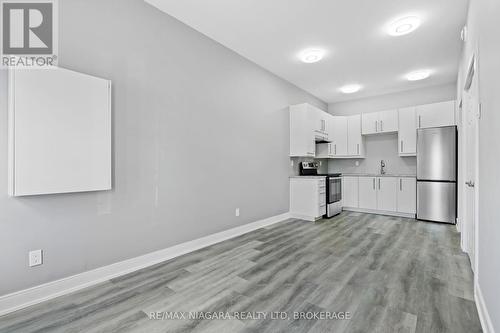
(382, 167)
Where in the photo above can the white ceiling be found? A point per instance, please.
(272, 32)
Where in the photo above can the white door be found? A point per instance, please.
(369, 123)
(471, 117)
(354, 138)
(407, 195)
(387, 193)
(367, 193)
(339, 139)
(436, 114)
(388, 121)
(407, 135)
(350, 192)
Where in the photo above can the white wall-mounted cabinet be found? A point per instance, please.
(355, 141)
(59, 132)
(407, 195)
(308, 197)
(436, 114)
(339, 135)
(379, 122)
(350, 191)
(308, 124)
(388, 195)
(407, 135)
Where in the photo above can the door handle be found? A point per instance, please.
(470, 183)
(374, 183)
(379, 183)
(358, 148)
(401, 184)
(401, 145)
(376, 126)
(419, 121)
(381, 126)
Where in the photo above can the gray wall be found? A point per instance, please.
(385, 146)
(198, 131)
(483, 36)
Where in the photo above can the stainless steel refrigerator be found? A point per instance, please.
(437, 174)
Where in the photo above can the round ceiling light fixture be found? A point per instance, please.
(418, 75)
(403, 26)
(350, 88)
(310, 56)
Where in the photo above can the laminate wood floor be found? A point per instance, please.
(390, 274)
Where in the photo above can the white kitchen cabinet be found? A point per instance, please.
(308, 197)
(350, 193)
(303, 119)
(407, 195)
(324, 150)
(379, 122)
(387, 194)
(339, 135)
(369, 123)
(407, 135)
(388, 121)
(367, 192)
(321, 121)
(355, 141)
(436, 114)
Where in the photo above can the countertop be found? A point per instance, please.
(377, 175)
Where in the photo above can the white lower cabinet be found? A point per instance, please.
(308, 197)
(368, 192)
(407, 195)
(386, 194)
(350, 192)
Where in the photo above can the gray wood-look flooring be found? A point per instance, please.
(391, 274)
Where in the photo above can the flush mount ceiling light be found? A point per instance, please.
(418, 75)
(310, 56)
(403, 26)
(350, 88)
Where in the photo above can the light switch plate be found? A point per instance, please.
(35, 258)
(237, 212)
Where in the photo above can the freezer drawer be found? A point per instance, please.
(436, 153)
(436, 201)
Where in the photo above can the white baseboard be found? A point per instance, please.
(378, 212)
(46, 291)
(484, 316)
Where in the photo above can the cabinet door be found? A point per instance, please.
(339, 139)
(354, 138)
(388, 121)
(367, 193)
(301, 131)
(387, 193)
(369, 123)
(407, 135)
(350, 192)
(436, 114)
(407, 195)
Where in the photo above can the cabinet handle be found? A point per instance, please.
(374, 183)
(376, 126)
(330, 148)
(401, 145)
(358, 148)
(419, 121)
(381, 126)
(401, 184)
(335, 147)
(379, 183)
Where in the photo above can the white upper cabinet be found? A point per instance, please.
(369, 122)
(436, 114)
(355, 143)
(321, 121)
(407, 135)
(379, 122)
(302, 122)
(339, 135)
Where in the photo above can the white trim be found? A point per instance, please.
(484, 316)
(46, 291)
(379, 212)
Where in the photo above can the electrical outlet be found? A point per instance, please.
(35, 258)
(237, 212)
(357, 163)
(291, 163)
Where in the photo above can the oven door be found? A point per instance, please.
(334, 190)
